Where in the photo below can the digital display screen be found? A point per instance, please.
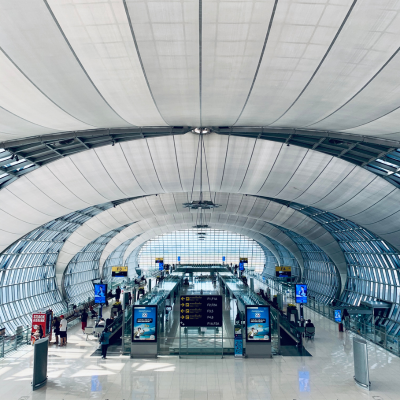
(144, 324)
(100, 293)
(258, 326)
(161, 266)
(338, 315)
(301, 293)
(241, 266)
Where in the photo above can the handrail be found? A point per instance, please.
(369, 331)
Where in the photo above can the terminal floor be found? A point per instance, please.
(74, 374)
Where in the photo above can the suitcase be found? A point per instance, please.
(340, 327)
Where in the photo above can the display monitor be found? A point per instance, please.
(144, 327)
(100, 293)
(301, 293)
(338, 315)
(241, 266)
(161, 266)
(258, 324)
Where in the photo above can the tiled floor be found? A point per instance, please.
(328, 375)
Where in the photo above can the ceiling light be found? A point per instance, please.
(201, 204)
(203, 131)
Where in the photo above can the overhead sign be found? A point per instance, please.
(159, 259)
(201, 311)
(283, 272)
(119, 271)
(243, 259)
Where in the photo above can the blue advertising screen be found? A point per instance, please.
(100, 293)
(241, 266)
(301, 293)
(223, 258)
(144, 324)
(179, 258)
(161, 266)
(338, 315)
(258, 327)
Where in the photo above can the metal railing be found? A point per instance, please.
(369, 331)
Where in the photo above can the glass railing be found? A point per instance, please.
(356, 323)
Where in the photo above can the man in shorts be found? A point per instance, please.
(63, 331)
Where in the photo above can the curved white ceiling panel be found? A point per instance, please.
(100, 34)
(19, 96)
(232, 40)
(300, 36)
(167, 35)
(90, 178)
(29, 35)
(368, 39)
(246, 211)
(14, 127)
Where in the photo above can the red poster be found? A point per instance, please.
(38, 326)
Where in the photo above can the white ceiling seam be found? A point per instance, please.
(100, 36)
(26, 27)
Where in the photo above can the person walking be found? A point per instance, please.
(63, 331)
(84, 318)
(104, 341)
(346, 319)
(117, 293)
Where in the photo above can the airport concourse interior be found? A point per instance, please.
(200, 199)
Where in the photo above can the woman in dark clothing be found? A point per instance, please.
(104, 341)
(56, 324)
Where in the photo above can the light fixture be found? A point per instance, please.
(203, 131)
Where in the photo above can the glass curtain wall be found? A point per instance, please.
(188, 245)
(372, 264)
(115, 259)
(27, 270)
(287, 259)
(320, 272)
(83, 269)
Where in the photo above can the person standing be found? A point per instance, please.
(63, 331)
(346, 319)
(117, 293)
(84, 318)
(104, 341)
(56, 325)
(130, 298)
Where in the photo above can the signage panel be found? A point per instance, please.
(119, 271)
(201, 311)
(283, 272)
(144, 327)
(301, 293)
(38, 330)
(258, 324)
(100, 293)
(338, 315)
(159, 259)
(243, 260)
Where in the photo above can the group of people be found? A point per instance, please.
(60, 330)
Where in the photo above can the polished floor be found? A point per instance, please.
(74, 374)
